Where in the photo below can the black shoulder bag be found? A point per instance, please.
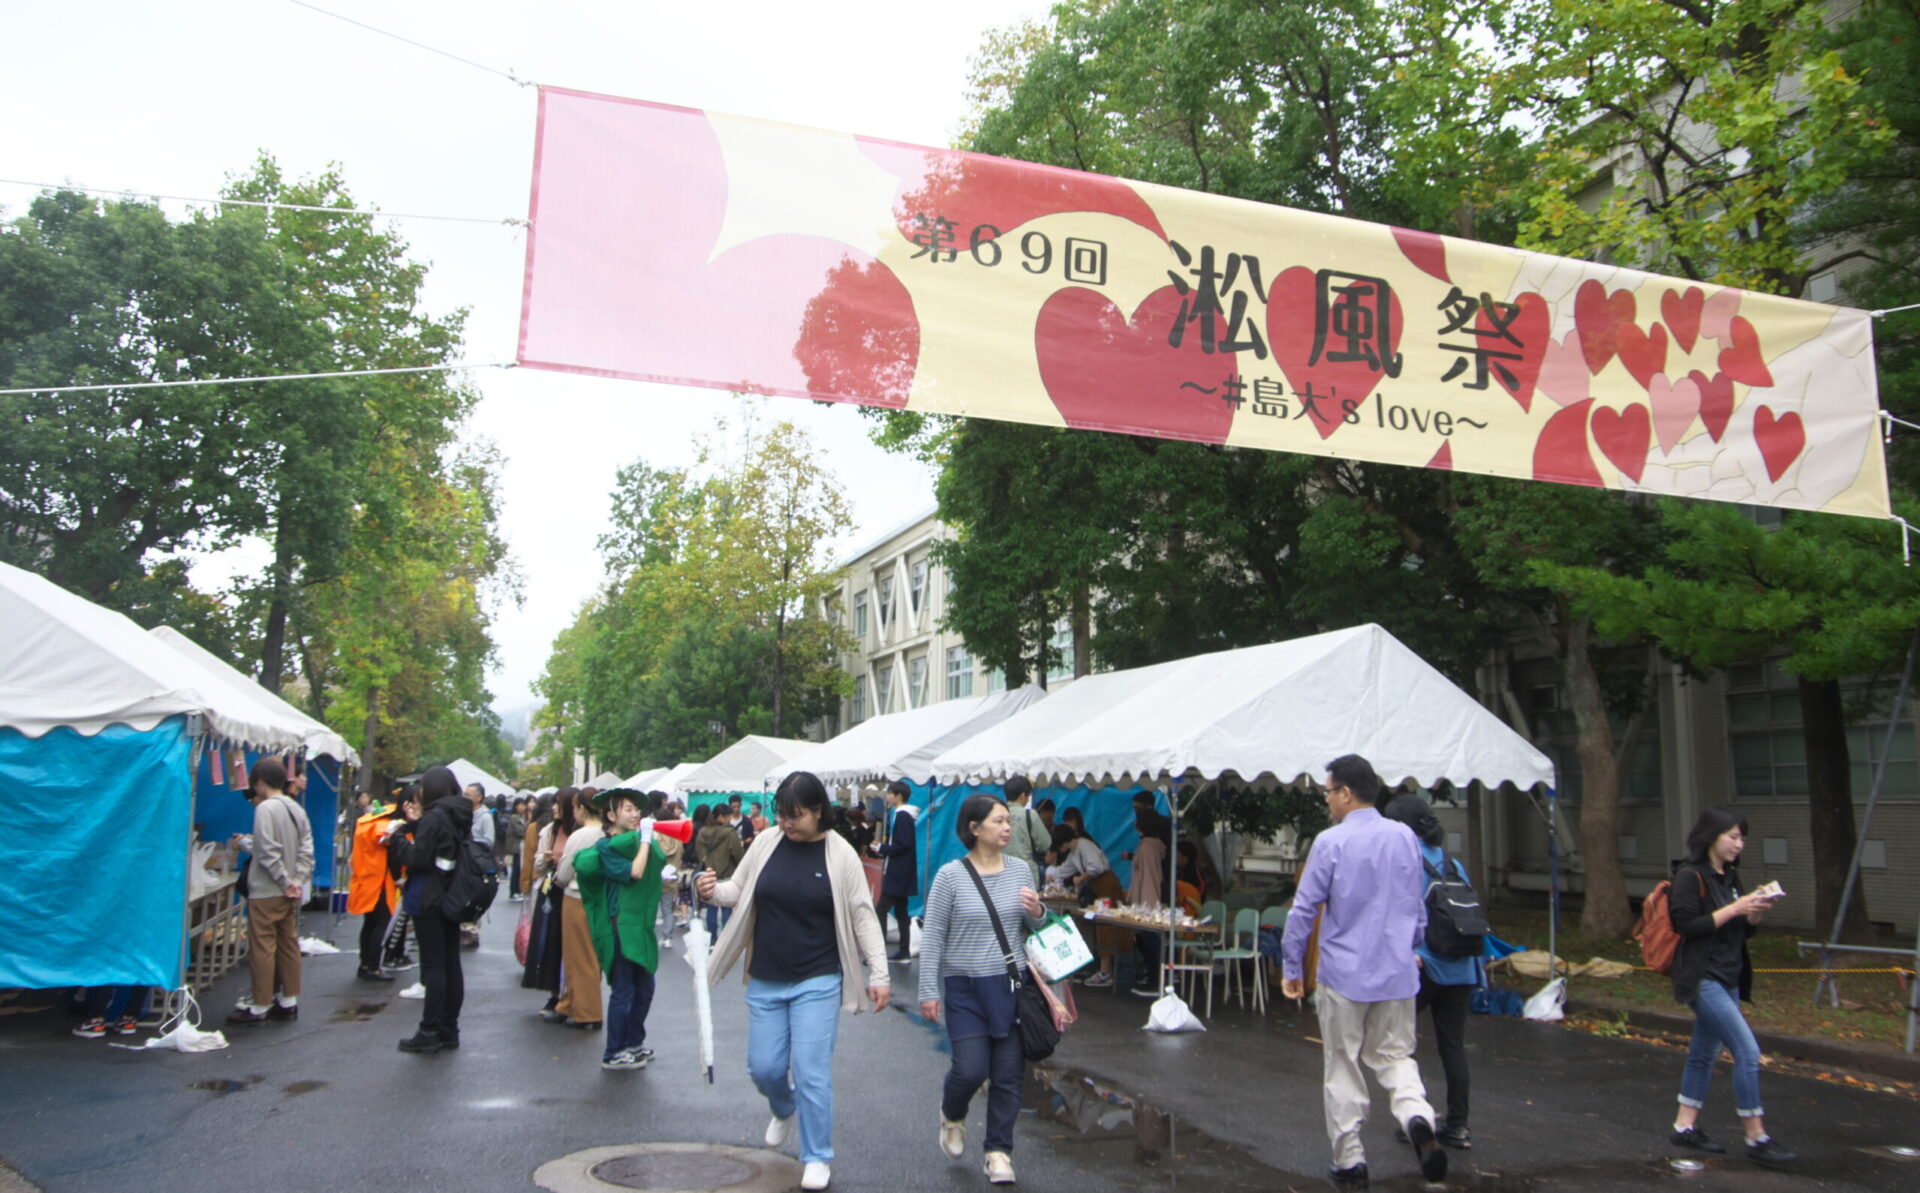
(1032, 1014)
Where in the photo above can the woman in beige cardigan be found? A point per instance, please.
(804, 922)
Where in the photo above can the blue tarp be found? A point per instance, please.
(220, 811)
(93, 865)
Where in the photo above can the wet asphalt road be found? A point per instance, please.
(326, 1103)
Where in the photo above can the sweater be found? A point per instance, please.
(613, 897)
(855, 925)
(282, 847)
(1697, 892)
(958, 938)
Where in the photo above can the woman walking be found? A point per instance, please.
(973, 903)
(806, 925)
(1712, 973)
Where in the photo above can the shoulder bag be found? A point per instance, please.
(1032, 1013)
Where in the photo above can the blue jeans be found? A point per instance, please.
(717, 917)
(790, 1030)
(1001, 1066)
(629, 998)
(1717, 1022)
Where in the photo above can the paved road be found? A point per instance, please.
(327, 1104)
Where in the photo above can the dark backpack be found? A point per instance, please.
(472, 885)
(1456, 923)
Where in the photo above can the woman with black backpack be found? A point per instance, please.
(429, 848)
(1713, 974)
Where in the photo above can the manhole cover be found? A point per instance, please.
(674, 1170)
(670, 1168)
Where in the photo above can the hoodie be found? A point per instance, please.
(903, 859)
(428, 848)
(720, 849)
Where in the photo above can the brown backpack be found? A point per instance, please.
(1658, 941)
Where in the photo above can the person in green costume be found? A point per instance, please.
(620, 885)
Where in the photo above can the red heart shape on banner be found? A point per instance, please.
(1675, 406)
(1292, 306)
(1742, 361)
(1598, 317)
(1532, 327)
(1781, 440)
(1643, 353)
(1716, 401)
(1563, 371)
(1426, 251)
(1561, 453)
(1717, 314)
(1106, 373)
(1622, 436)
(968, 190)
(1682, 313)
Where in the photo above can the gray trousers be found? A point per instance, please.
(1379, 1036)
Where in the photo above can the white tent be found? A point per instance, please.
(903, 745)
(604, 780)
(467, 773)
(743, 766)
(645, 780)
(1284, 709)
(670, 778)
(65, 661)
(215, 675)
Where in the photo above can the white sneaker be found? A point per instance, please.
(815, 1176)
(778, 1130)
(953, 1137)
(417, 990)
(999, 1168)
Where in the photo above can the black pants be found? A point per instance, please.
(1148, 944)
(439, 939)
(373, 930)
(897, 905)
(1450, 1005)
(983, 1059)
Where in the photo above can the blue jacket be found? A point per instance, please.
(1446, 971)
(903, 860)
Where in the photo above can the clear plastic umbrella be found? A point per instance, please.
(697, 945)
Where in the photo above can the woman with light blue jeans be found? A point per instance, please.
(1712, 973)
(805, 922)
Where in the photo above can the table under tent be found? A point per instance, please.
(741, 769)
(1261, 716)
(96, 713)
(902, 746)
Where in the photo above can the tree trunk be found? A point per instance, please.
(1823, 726)
(369, 741)
(1604, 913)
(273, 649)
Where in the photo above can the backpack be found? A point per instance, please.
(1456, 923)
(1659, 943)
(472, 885)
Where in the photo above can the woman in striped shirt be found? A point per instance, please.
(964, 974)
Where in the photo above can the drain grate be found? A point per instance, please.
(674, 1170)
(669, 1168)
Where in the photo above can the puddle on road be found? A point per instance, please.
(357, 1011)
(296, 1088)
(225, 1085)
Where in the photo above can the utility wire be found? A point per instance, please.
(508, 75)
(73, 389)
(399, 215)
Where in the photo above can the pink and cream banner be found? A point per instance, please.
(670, 244)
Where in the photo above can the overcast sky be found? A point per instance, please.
(170, 98)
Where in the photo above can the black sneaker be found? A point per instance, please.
(422, 1041)
(1457, 1138)
(276, 1011)
(1698, 1140)
(450, 1040)
(1768, 1154)
(1348, 1178)
(1433, 1157)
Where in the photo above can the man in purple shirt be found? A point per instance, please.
(1364, 875)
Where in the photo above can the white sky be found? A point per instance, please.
(170, 98)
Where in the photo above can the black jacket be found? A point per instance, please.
(427, 848)
(1691, 902)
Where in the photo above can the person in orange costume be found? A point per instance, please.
(372, 894)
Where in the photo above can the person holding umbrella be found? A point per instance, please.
(804, 922)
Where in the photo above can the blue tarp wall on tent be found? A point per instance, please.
(1108, 812)
(220, 811)
(93, 866)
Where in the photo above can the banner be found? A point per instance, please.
(670, 244)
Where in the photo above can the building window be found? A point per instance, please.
(886, 601)
(917, 580)
(860, 614)
(883, 691)
(1062, 642)
(916, 681)
(996, 681)
(1765, 736)
(959, 672)
(859, 699)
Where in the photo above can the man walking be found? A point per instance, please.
(1364, 876)
(901, 881)
(282, 849)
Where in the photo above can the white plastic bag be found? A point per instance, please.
(1058, 950)
(1547, 1005)
(1170, 1013)
(180, 1031)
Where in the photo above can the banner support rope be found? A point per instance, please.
(398, 215)
(508, 75)
(70, 389)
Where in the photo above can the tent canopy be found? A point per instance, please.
(743, 766)
(467, 773)
(604, 780)
(215, 676)
(1284, 709)
(645, 780)
(903, 745)
(65, 661)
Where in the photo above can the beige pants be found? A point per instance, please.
(580, 992)
(273, 948)
(1378, 1035)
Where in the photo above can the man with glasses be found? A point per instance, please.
(1364, 877)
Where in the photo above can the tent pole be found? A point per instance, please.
(196, 728)
(1553, 881)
